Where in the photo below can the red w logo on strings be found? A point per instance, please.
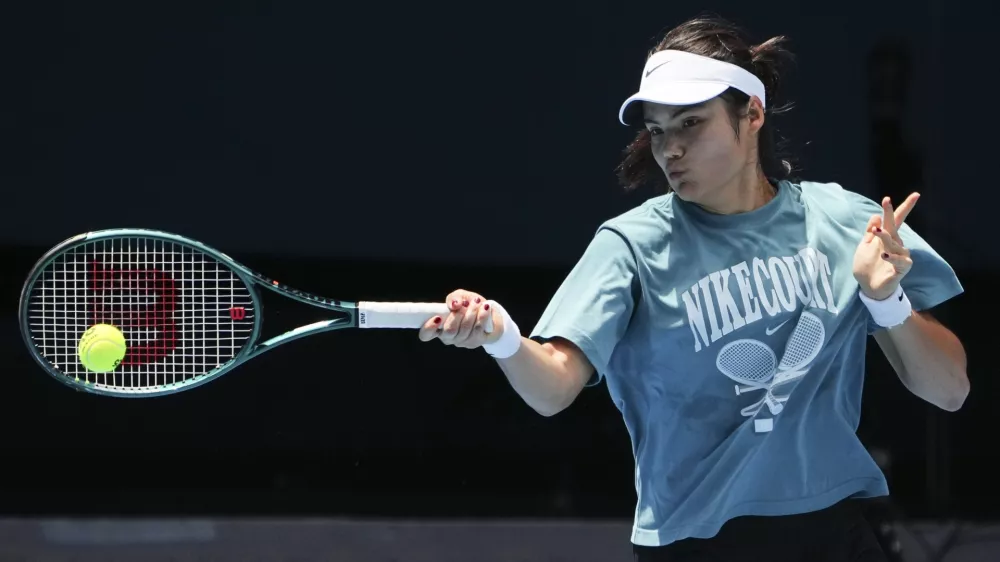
(139, 301)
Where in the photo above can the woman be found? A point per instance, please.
(730, 317)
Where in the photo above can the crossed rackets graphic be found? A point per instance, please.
(751, 363)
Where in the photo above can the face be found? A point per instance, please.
(697, 148)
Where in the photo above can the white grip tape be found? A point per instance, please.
(398, 314)
(411, 315)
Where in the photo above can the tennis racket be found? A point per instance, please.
(750, 363)
(189, 313)
(802, 348)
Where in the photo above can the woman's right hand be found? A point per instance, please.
(465, 325)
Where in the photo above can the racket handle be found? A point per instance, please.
(772, 404)
(411, 315)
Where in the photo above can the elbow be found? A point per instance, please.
(552, 407)
(557, 401)
(955, 402)
(567, 381)
(547, 412)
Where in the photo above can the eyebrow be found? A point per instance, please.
(678, 111)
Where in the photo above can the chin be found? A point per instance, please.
(685, 190)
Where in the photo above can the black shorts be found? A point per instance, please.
(840, 533)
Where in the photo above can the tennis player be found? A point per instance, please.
(729, 318)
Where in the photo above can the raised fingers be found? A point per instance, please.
(904, 210)
(888, 216)
(874, 222)
(893, 218)
(890, 243)
(901, 262)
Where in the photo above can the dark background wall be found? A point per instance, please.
(373, 151)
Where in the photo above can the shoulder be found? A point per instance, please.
(831, 192)
(833, 200)
(649, 221)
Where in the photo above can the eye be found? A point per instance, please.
(690, 122)
(655, 131)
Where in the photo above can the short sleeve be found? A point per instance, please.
(931, 281)
(593, 306)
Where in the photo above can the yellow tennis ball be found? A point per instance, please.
(102, 348)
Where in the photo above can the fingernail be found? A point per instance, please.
(437, 319)
(877, 229)
(454, 304)
(885, 256)
(478, 300)
(486, 306)
(465, 303)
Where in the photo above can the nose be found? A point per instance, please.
(672, 149)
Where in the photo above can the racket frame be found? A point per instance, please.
(764, 385)
(784, 375)
(251, 347)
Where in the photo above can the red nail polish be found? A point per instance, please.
(465, 303)
(454, 304)
(877, 229)
(437, 319)
(478, 300)
(885, 256)
(486, 306)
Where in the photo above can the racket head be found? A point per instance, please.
(188, 312)
(747, 361)
(804, 344)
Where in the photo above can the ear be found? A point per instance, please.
(755, 114)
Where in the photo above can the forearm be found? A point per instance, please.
(544, 376)
(929, 359)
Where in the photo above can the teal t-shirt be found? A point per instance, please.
(734, 348)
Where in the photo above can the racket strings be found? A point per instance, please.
(805, 342)
(183, 314)
(747, 360)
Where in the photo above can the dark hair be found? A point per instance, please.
(719, 39)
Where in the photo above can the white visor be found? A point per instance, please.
(681, 78)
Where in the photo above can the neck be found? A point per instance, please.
(745, 193)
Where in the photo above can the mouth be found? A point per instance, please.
(676, 175)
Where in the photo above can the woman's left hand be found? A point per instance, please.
(881, 260)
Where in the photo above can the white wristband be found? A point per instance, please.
(889, 312)
(510, 339)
